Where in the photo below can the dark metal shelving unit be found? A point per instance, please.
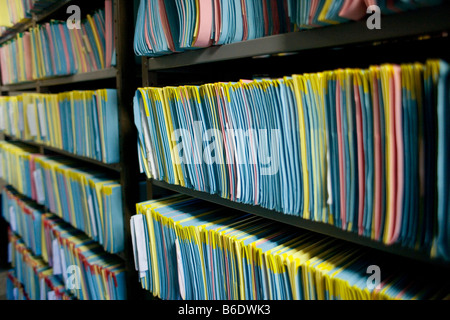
(124, 77)
(115, 167)
(120, 255)
(394, 27)
(27, 23)
(110, 73)
(403, 30)
(310, 225)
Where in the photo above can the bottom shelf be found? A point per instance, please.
(113, 167)
(314, 226)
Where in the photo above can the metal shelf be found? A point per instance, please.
(119, 255)
(19, 27)
(51, 10)
(104, 74)
(314, 226)
(79, 77)
(112, 167)
(408, 24)
(19, 86)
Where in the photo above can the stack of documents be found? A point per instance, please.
(15, 166)
(101, 276)
(53, 49)
(68, 264)
(24, 218)
(34, 274)
(167, 26)
(14, 289)
(185, 249)
(85, 123)
(13, 12)
(19, 11)
(87, 199)
(363, 150)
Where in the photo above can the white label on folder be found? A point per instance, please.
(329, 186)
(42, 289)
(42, 122)
(63, 264)
(12, 218)
(16, 293)
(9, 252)
(91, 213)
(20, 122)
(56, 258)
(180, 270)
(140, 243)
(38, 182)
(11, 121)
(51, 295)
(141, 166)
(133, 241)
(31, 119)
(2, 119)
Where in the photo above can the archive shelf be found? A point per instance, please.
(310, 225)
(393, 27)
(123, 78)
(120, 255)
(27, 23)
(104, 74)
(115, 167)
(345, 45)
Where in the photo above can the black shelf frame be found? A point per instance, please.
(318, 227)
(393, 27)
(110, 73)
(27, 23)
(398, 29)
(120, 255)
(123, 75)
(44, 149)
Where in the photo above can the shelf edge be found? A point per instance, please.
(318, 227)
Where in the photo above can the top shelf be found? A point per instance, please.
(111, 167)
(28, 23)
(317, 227)
(413, 23)
(104, 74)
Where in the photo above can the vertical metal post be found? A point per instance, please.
(126, 84)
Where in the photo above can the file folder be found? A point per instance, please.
(359, 149)
(187, 249)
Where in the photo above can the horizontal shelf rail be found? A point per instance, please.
(314, 226)
(407, 24)
(104, 74)
(47, 210)
(115, 167)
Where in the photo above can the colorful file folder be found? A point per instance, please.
(361, 149)
(87, 199)
(186, 249)
(24, 218)
(69, 264)
(34, 275)
(52, 49)
(167, 26)
(85, 123)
